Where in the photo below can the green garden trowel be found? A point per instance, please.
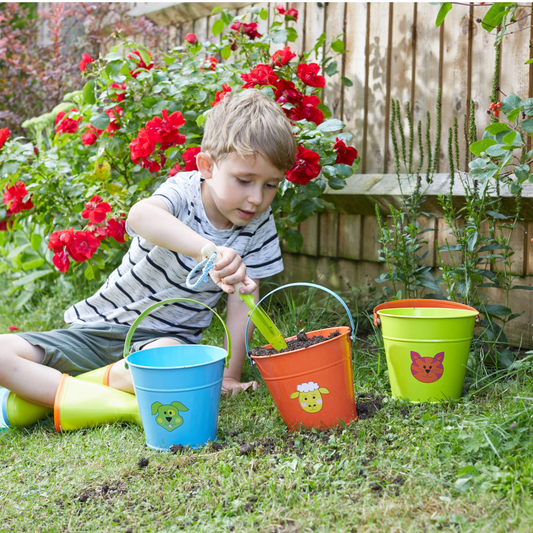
(260, 318)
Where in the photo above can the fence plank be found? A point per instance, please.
(350, 236)
(314, 27)
(299, 45)
(454, 80)
(309, 231)
(333, 91)
(401, 67)
(426, 82)
(200, 29)
(371, 236)
(378, 94)
(355, 70)
(483, 60)
(328, 234)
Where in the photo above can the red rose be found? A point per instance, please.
(191, 38)
(143, 145)
(12, 328)
(166, 130)
(260, 75)
(189, 156)
(282, 57)
(309, 75)
(114, 116)
(221, 94)
(116, 229)
(213, 62)
(8, 222)
(83, 246)
(65, 124)
(4, 136)
(96, 210)
(91, 135)
(36, 150)
(346, 155)
(85, 60)
(61, 261)
(60, 239)
(249, 29)
(291, 12)
(286, 93)
(14, 198)
(306, 166)
(140, 63)
(174, 170)
(116, 96)
(308, 110)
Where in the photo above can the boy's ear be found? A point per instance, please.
(205, 164)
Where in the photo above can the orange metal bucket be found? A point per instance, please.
(313, 386)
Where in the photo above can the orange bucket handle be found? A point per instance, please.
(304, 284)
(439, 304)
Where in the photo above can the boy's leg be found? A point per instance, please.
(23, 374)
(120, 376)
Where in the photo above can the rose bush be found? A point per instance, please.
(90, 159)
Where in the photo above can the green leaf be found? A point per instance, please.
(430, 285)
(36, 240)
(346, 81)
(528, 107)
(481, 146)
(497, 310)
(24, 280)
(226, 52)
(529, 61)
(9, 168)
(292, 34)
(280, 36)
(509, 138)
(497, 127)
(522, 172)
(522, 287)
(294, 240)
(89, 272)
(88, 92)
(527, 125)
(22, 299)
(472, 241)
(511, 103)
(100, 122)
(495, 214)
(495, 15)
(338, 46)
(331, 69)
(218, 27)
(342, 170)
(17, 251)
(263, 14)
(145, 56)
(336, 183)
(445, 8)
(496, 150)
(513, 115)
(332, 124)
(325, 109)
(113, 56)
(34, 263)
(113, 69)
(515, 187)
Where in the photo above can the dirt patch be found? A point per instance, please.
(368, 405)
(301, 341)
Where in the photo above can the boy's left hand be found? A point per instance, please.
(234, 386)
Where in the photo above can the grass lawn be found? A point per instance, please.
(465, 466)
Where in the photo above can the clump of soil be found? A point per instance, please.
(368, 405)
(301, 341)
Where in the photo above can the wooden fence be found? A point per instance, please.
(395, 51)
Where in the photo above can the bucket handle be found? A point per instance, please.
(304, 284)
(147, 311)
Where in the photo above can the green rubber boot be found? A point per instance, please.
(80, 404)
(16, 412)
(100, 375)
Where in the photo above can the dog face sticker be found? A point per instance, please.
(167, 416)
(427, 369)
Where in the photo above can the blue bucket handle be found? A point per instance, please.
(304, 284)
(147, 311)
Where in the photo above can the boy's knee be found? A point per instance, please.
(13, 345)
(165, 341)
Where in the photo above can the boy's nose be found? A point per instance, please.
(256, 197)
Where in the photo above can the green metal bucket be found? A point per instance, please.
(427, 344)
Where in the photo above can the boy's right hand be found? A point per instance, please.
(230, 270)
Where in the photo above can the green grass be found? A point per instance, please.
(463, 466)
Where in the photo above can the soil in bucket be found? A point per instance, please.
(311, 381)
(300, 341)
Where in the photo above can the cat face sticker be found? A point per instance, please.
(427, 369)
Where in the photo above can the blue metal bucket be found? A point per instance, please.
(178, 388)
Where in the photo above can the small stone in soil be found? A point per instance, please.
(376, 486)
(216, 446)
(245, 449)
(176, 448)
(143, 461)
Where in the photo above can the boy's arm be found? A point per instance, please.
(151, 219)
(236, 321)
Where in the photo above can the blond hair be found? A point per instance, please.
(247, 124)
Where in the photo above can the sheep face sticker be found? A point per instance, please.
(167, 416)
(310, 396)
(427, 369)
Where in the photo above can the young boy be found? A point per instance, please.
(247, 147)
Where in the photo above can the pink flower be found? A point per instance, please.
(191, 38)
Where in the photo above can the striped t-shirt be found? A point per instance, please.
(150, 273)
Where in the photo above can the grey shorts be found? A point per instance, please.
(80, 349)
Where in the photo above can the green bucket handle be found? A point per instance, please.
(301, 284)
(147, 311)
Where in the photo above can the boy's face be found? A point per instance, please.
(237, 189)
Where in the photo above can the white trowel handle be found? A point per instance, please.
(208, 250)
